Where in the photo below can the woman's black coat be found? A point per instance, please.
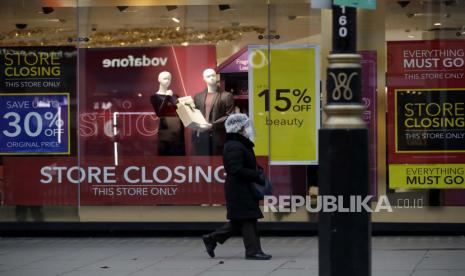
(241, 169)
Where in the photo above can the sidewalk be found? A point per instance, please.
(292, 256)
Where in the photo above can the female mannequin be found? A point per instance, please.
(170, 130)
(164, 78)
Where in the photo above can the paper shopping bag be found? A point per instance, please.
(189, 115)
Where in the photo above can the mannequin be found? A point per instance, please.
(209, 76)
(216, 106)
(170, 129)
(164, 78)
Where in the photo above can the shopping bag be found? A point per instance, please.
(260, 191)
(190, 116)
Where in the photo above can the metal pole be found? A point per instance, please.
(344, 237)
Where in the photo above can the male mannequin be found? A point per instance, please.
(170, 129)
(216, 106)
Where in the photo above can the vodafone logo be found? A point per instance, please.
(131, 61)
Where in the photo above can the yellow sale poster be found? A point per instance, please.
(284, 87)
(427, 176)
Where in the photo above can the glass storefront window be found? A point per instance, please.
(98, 104)
(425, 118)
(38, 110)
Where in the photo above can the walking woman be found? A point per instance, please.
(242, 208)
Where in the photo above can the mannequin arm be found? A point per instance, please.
(229, 106)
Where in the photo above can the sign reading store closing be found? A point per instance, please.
(426, 114)
(37, 96)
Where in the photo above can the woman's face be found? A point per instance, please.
(248, 132)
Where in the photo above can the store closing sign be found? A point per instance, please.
(37, 69)
(171, 180)
(286, 113)
(37, 92)
(426, 113)
(430, 120)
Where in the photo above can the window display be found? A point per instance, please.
(129, 106)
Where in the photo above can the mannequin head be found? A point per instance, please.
(164, 78)
(209, 76)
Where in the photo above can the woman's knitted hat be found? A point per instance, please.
(235, 122)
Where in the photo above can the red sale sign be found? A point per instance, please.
(426, 102)
(134, 181)
(426, 64)
(426, 114)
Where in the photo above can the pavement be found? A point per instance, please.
(186, 256)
